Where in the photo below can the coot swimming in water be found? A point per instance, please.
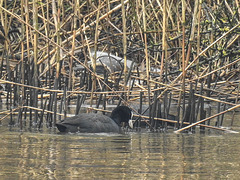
(95, 123)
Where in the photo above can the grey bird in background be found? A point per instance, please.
(111, 62)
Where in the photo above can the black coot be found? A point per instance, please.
(95, 123)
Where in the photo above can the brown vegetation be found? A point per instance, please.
(184, 52)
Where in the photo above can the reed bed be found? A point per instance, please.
(183, 55)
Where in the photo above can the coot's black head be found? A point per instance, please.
(122, 114)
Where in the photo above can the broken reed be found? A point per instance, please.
(194, 62)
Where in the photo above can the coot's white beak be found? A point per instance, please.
(130, 122)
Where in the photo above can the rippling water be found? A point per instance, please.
(49, 155)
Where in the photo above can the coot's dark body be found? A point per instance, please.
(96, 123)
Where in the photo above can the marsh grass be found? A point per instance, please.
(183, 52)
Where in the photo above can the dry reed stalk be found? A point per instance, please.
(94, 58)
(71, 75)
(27, 30)
(192, 35)
(198, 35)
(22, 50)
(35, 57)
(8, 113)
(76, 10)
(124, 41)
(146, 51)
(164, 41)
(56, 6)
(182, 93)
(56, 17)
(41, 110)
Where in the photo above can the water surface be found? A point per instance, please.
(135, 155)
